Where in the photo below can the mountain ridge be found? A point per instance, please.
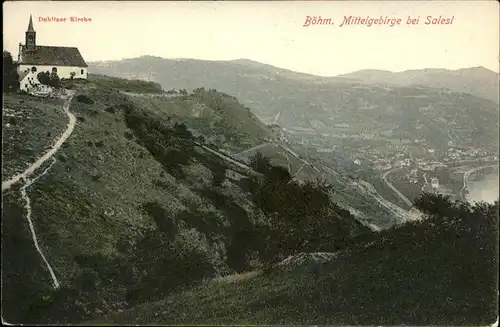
(478, 80)
(247, 61)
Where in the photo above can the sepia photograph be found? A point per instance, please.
(250, 163)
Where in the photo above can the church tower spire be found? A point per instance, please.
(30, 40)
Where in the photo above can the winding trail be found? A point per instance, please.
(28, 182)
(38, 163)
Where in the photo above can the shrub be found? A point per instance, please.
(84, 99)
(260, 163)
(110, 109)
(164, 223)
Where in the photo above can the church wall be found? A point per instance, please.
(62, 71)
(30, 83)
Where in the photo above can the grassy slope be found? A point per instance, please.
(37, 122)
(23, 271)
(108, 82)
(91, 198)
(90, 201)
(402, 277)
(235, 122)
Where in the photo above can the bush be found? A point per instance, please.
(302, 216)
(164, 223)
(110, 109)
(50, 79)
(84, 99)
(166, 266)
(260, 163)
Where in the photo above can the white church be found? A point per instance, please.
(67, 62)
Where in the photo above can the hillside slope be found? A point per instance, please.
(218, 117)
(29, 125)
(441, 271)
(134, 208)
(434, 107)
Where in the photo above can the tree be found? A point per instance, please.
(278, 174)
(219, 175)
(43, 77)
(10, 75)
(181, 130)
(55, 81)
(72, 75)
(50, 79)
(260, 163)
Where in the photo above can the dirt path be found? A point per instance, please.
(24, 177)
(27, 207)
(38, 163)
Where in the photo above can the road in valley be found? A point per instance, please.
(401, 195)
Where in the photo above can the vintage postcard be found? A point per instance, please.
(250, 163)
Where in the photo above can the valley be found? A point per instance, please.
(360, 124)
(223, 164)
(147, 180)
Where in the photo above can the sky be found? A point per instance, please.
(269, 32)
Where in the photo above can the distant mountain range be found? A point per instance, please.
(477, 81)
(192, 73)
(407, 105)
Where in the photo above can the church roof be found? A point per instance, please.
(56, 56)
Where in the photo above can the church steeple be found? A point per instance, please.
(30, 40)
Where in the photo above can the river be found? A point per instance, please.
(486, 189)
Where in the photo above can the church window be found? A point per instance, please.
(26, 85)
(54, 69)
(33, 69)
(81, 72)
